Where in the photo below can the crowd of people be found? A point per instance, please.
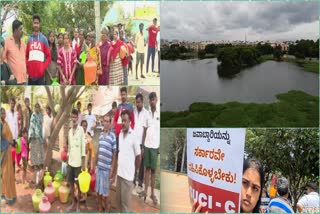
(127, 148)
(60, 58)
(252, 191)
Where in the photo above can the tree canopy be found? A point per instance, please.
(58, 14)
(294, 153)
(305, 48)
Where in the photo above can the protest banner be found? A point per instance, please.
(215, 163)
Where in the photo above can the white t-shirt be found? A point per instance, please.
(129, 148)
(75, 42)
(309, 201)
(153, 130)
(91, 120)
(12, 120)
(139, 122)
(47, 121)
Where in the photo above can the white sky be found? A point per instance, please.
(198, 21)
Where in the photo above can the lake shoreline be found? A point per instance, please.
(293, 109)
(309, 66)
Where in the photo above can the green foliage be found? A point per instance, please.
(264, 49)
(174, 52)
(294, 109)
(201, 54)
(172, 142)
(305, 48)
(294, 153)
(8, 92)
(234, 58)
(57, 14)
(277, 53)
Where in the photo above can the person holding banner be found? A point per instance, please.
(251, 189)
(252, 185)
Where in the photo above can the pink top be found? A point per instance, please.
(24, 148)
(13, 154)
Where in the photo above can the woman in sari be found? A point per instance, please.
(94, 52)
(105, 55)
(9, 193)
(81, 55)
(67, 62)
(116, 69)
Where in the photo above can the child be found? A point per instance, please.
(24, 153)
(89, 151)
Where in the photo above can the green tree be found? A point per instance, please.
(57, 14)
(201, 54)
(292, 152)
(277, 53)
(173, 145)
(211, 48)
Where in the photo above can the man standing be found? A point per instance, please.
(152, 36)
(309, 202)
(281, 204)
(12, 119)
(129, 158)
(14, 53)
(124, 105)
(140, 45)
(76, 157)
(105, 162)
(38, 55)
(140, 117)
(91, 120)
(151, 142)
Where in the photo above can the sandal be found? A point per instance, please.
(144, 195)
(154, 199)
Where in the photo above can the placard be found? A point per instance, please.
(215, 163)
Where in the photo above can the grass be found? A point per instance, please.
(307, 65)
(294, 109)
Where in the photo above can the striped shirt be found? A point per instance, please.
(279, 205)
(107, 145)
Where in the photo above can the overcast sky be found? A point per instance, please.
(198, 21)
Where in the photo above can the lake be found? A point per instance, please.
(184, 82)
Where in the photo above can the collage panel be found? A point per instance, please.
(80, 43)
(80, 149)
(253, 170)
(240, 64)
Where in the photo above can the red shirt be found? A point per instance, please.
(153, 31)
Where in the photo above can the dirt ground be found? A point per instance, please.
(25, 192)
(175, 193)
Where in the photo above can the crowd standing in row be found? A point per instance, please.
(42, 62)
(129, 135)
